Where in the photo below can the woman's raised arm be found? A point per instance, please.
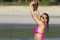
(34, 16)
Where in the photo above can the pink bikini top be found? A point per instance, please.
(36, 28)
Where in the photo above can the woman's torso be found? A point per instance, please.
(39, 29)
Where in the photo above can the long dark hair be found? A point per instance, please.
(35, 6)
(47, 25)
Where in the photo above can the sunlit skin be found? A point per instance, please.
(39, 19)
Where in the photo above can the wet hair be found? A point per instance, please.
(35, 6)
(47, 25)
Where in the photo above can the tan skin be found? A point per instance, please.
(39, 21)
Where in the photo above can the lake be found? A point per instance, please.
(27, 39)
(7, 31)
(25, 23)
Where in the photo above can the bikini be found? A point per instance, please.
(36, 30)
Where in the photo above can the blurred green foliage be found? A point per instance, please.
(26, 2)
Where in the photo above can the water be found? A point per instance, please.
(27, 38)
(13, 22)
(26, 26)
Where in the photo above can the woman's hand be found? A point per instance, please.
(32, 3)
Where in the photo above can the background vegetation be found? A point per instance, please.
(26, 2)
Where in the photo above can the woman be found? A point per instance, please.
(41, 21)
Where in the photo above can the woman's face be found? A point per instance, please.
(43, 18)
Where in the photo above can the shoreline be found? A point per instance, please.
(24, 20)
(24, 16)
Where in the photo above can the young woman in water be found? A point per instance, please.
(42, 22)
